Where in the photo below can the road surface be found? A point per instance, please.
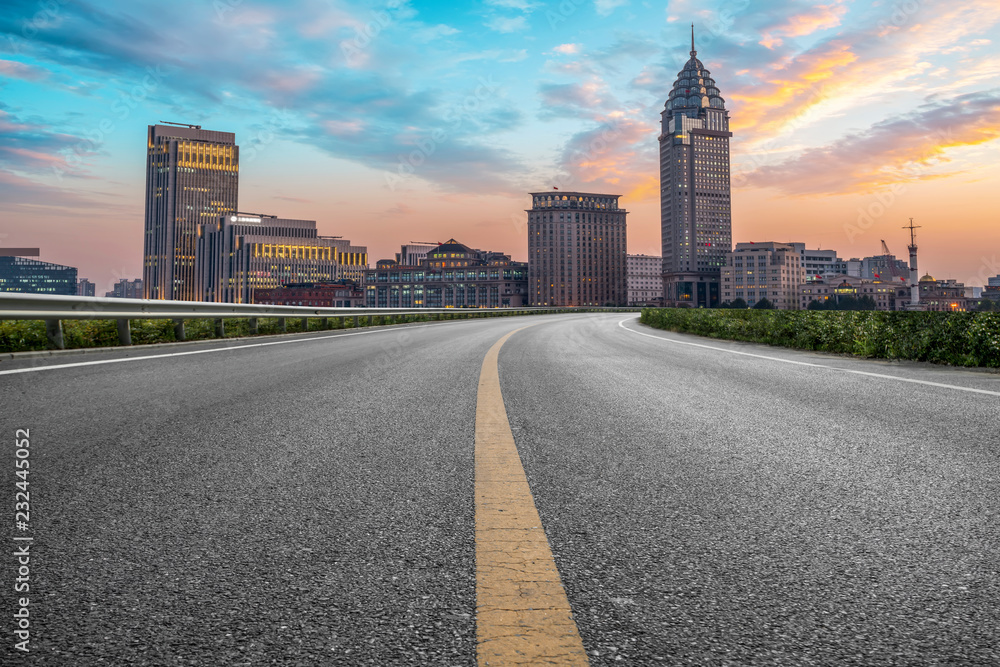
(314, 501)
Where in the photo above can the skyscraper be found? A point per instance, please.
(695, 213)
(576, 249)
(192, 177)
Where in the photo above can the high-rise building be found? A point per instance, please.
(85, 287)
(19, 272)
(238, 254)
(755, 271)
(644, 277)
(576, 250)
(695, 204)
(192, 178)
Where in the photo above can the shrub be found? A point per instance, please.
(959, 339)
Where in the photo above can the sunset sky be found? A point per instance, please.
(390, 122)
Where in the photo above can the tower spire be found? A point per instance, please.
(693, 52)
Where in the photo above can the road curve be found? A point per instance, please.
(312, 502)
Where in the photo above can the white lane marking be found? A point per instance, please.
(232, 348)
(806, 363)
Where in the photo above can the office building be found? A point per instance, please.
(885, 267)
(338, 294)
(192, 178)
(644, 279)
(452, 275)
(695, 201)
(576, 249)
(20, 272)
(769, 270)
(85, 288)
(238, 254)
(819, 264)
(411, 254)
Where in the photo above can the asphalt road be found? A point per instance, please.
(311, 502)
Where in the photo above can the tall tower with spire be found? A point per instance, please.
(695, 207)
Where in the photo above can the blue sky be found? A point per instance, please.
(395, 121)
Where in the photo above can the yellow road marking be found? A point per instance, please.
(522, 614)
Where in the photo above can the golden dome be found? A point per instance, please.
(928, 278)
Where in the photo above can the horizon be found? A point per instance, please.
(388, 122)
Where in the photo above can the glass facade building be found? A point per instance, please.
(192, 178)
(241, 253)
(22, 274)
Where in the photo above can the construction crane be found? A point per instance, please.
(893, 269)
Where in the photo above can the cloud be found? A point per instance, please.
(605, 7)
(567, 49)
(819, 17)
(615, 152)
(574, 100)
(18, 70)
(503, 24)
(522, 5)
(910, 148)
(32, 147)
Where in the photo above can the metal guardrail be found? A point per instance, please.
(53, 309)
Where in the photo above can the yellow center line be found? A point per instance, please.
(522, 614)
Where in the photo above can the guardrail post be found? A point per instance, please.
(305, 324)
(357, 321)
(179, 330)
(324, 323)
(220, 328)
(124, 332)
(54, 332)
(283, 323)
(254, 326)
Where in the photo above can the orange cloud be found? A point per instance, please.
(805, 82)
(820, 17)
(907, 149)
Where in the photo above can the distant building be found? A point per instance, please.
(821, 263)
(576, 249)
(126, 289)
(945, 295)
(340, 294)
(886, 295)
(192, 178)
(19, 272)
(644, 278)
(238, 254)
(885, 267)
(452, 275)
(767, 270)
(85, 288)
(412, 254)
(992, 289)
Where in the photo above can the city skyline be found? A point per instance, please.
(392, 122)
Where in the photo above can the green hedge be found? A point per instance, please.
(959, 339)
(28, 335)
